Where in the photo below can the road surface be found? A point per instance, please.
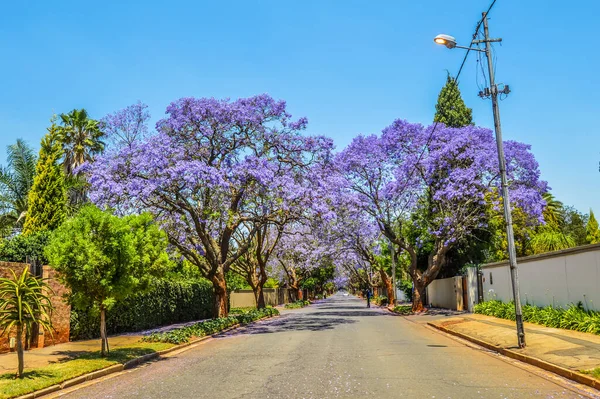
(334, 349)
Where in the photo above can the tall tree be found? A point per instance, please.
(103, 258)
(16, 180)
(81, 139)
(593, 232)
(126, 126)
(47, 204)
(450, 108)
(202, 171)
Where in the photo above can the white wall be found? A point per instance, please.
(557, 278)
(446, 293)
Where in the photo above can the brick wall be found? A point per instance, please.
(61, 314)
(60, 317)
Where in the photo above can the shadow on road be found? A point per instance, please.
(343, 313)
(290, 322)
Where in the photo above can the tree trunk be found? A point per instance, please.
(418, 296)
(20, 350)
(220, 287)
(103, 336)
(387, 282)
(260, 301)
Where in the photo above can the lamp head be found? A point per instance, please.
(446, 40)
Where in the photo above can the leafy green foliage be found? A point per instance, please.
(23, 303)
(547, 239)
(47, 199)
(450, 108)
(404, 310)
(103, 258)
(297, 305)
(212, 326)
(16, 180)
(575, 317)
(592, 230)
(166, 302)
(406, 287)
(380, 300)
(19, 247)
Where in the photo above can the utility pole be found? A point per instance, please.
(512, 253)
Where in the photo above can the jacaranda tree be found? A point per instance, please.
(201, 173)
(440, 175)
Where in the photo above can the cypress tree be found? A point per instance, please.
(450, 108)
(48, 196)
(593, 232)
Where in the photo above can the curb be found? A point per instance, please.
(563, 372)
(125, 366)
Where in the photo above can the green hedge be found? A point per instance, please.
(297, 305)
(167, 302)
(208, 327)
(575, 317)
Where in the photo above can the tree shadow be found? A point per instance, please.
(341, 307)
(350, 313)
(290, 322)
(31, 375)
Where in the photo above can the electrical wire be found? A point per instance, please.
(475, 34)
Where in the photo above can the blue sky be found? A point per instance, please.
(351, 67)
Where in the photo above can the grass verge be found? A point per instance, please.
(40, 378)
(297, 305)
(594, 373)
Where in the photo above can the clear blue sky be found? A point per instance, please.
(350, 66)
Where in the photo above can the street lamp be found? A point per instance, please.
(450, 42)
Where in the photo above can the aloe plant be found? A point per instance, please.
(23, 302)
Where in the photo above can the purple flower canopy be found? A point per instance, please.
(388, 176)
(214, 167)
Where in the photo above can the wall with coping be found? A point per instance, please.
(557, 278)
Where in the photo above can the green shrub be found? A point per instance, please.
(296, 305)
(575, 317)
(380, 300)
(208, 327)
(406, 287)
(168, 302)
(403, 310)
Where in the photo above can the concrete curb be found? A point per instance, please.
(563, 372)
(127, 365)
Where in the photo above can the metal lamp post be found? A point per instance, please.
(450, 42)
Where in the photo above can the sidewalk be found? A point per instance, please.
(570, 350)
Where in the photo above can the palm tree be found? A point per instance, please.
(553, 211)
(22, 304)
(16, 180)
(80, 137)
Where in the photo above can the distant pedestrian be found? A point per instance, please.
(368, 298)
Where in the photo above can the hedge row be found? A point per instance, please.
(575, 317)
(207, 327)
(167, 302)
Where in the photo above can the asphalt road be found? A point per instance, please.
(335, 349)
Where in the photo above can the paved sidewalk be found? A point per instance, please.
(572, 350)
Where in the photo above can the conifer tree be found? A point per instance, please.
(593, 232)
(48, 196)
(450, 108)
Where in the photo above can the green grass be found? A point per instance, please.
(403, 310)
(40, 378)
(594, 373)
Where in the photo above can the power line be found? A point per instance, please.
(456, 83)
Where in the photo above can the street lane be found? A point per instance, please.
(334, 349)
